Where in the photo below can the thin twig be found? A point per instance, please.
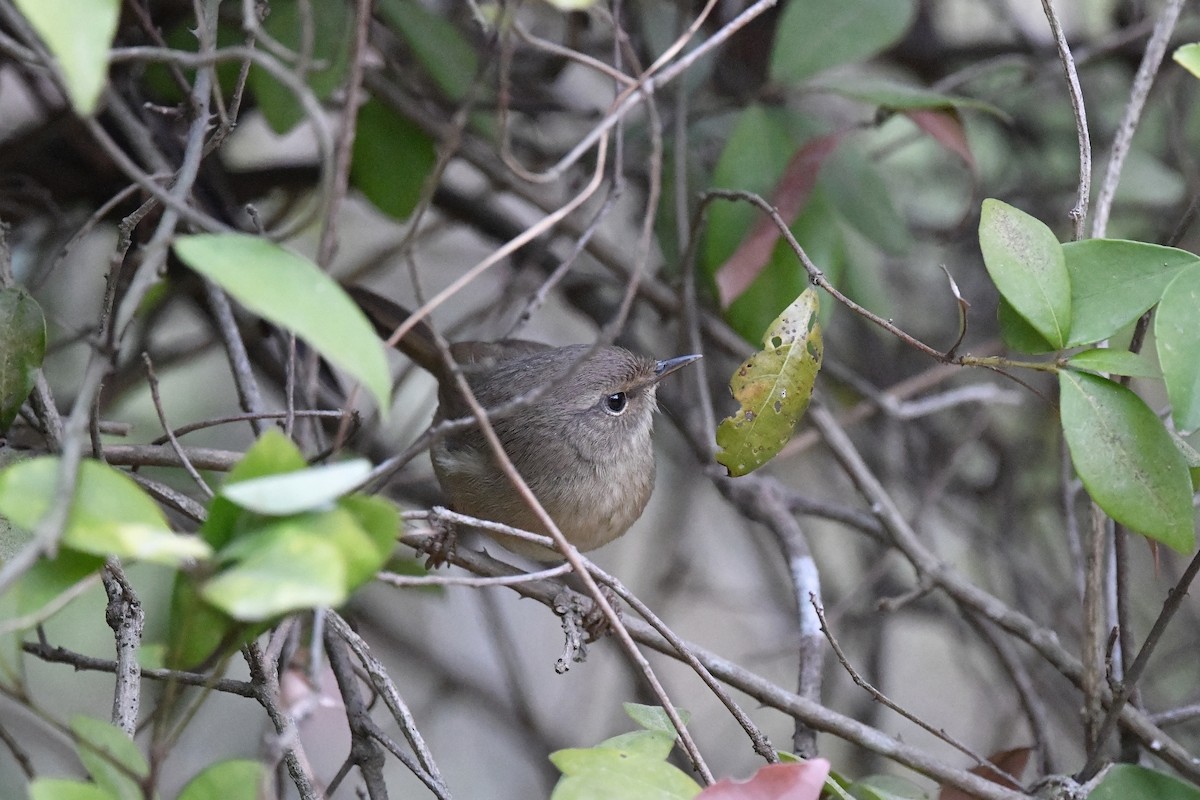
(1156, 49)
(1079, 212)
(886, 701)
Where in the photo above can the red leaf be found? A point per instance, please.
(1011, 762)
(790, 195)
(945, 126)
(802, 781)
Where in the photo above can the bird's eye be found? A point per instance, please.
(615, 403)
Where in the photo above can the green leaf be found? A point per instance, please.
(78, 34)
(291, 291)
(1115, 362)
(783, 277)
(63, 789)
(1126, 459)
(1113, 282)
(449, 59)
(272, 454)
(111, 757)
(773, 387)
(1188, 57)
(860, 195)
(1131, 782)
(647, 744)
(1017, 333)
(654, 718)
(814, 35)
(285, 567)
(381, 523)
(894, 96)
(758, 150)
(303, 561)
(111, 515)
(198, 632)
(392, 158)
(1027, 265)
(22, 348)
(302, 490)
(49, 578)
(1177, 338)
(329, 56)
(236, 779)
(594, 772)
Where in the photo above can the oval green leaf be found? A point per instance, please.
(237, 779)
(22, 348)
(110, 756)
(392, 158)
(284, 567)
(1113, 282)
(302, 490)
(773, 387)
(814, 35)
(1116, 362)
(292, 292)
(602, 771)
(78, 34)
(110, 515)
(1027, 265)
(1127, 459)
(1177, 338)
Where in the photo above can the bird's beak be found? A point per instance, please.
(664, 368)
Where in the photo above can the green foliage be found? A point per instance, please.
(62, 789)
(1188, 57)
(1027, 265)
(79, 34)
(449, 59)
(110, 514)
(327, 57)
(302, 490)
(1177, 337)
(1054, 296)
(286, 539)
(773, 387)
(1115, 362)
(292, 292)
(1129, 781)
(236, 779)
(1126, 459)
(815, 35)
(392, 157)
(654, 718)
(22, 348)
(1113, 282)
(110, 756)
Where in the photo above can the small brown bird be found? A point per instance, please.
(583, 444)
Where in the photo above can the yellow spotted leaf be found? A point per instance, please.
(773, 386)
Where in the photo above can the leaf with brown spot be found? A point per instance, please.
(773, 387)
